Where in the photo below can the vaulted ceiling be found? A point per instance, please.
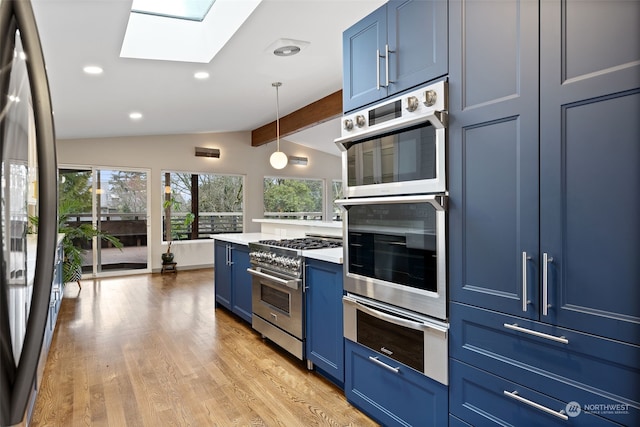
(238, 95)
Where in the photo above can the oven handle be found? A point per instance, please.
(291, 283)
(438, 201)
(437, 118)
(419, 325)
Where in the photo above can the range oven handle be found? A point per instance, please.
(290, 283)
(418, 325)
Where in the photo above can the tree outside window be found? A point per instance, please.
(215, 202)
(290, 198)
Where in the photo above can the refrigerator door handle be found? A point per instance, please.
(15, 392)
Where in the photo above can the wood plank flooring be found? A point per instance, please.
(151, 350)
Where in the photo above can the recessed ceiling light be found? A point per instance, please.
(92, 69)
(135, 116)
(201, 75)
(286, 50)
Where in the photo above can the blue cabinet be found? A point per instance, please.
(324, 324)
(483, 399)
(528, 236)
(531, 247)
(231, 279)
(399, 46)
(401, 396)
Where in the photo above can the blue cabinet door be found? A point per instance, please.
(362, 66)
(417, 40)
(400, 396)
(222, 274)
(324, 325)
(493, 155)
(241, 282)
(590, 179)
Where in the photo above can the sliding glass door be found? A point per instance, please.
(114, 201)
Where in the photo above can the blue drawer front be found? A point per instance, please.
(589, 369)
(406, 398)
(481, 399)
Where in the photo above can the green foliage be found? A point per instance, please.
(74, 236)
(292, 195)
(177, 228)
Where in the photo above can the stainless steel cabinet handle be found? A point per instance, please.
(546, 259)
(230, 248)
(524, 282)
(377, 361)
(387, 52)
(515, 327)
(514, 395)
(377, 69)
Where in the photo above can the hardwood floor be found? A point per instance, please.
(151, 350)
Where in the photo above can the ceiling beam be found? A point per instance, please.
(313, 114)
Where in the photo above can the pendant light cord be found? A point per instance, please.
(277, 85)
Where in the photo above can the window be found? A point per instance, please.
(290, 198)
(336, 188)
(198, 205)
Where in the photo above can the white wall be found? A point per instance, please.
(177, 153)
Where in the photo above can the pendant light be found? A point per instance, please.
(278, 159)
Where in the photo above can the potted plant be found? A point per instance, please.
(174, 230)
(72, 237)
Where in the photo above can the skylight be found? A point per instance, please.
(155, 35)
(193, 10)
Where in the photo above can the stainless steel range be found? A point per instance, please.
(278, 288)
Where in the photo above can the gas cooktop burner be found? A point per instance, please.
(304, 243)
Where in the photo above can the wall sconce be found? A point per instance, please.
(207, 152)
(167, 189)
(301, 161)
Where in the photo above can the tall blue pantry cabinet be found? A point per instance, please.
(544, 212)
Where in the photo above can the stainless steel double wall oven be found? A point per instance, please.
(395, 243)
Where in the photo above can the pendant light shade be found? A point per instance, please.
(278, 160)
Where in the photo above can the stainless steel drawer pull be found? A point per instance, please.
(514, 395)
(515, 327)
(377, 361)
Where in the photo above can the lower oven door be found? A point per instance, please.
(278, 301)
(395, 251)
(417, 341)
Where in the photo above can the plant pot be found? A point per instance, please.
(167, 257)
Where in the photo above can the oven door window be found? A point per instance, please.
(394, 243)
(408, 155)
(275, 298)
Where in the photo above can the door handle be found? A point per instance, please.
(546, 259)
(525, 300)
(377, 69)
(387, 52)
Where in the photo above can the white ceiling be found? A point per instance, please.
(238, 96)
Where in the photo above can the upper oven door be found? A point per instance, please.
(395, 251)
(397, 147)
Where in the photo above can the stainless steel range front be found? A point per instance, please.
(278, 289)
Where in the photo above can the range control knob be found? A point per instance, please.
(412, 103)
(430, 98)
(360, 121)
(348, 124)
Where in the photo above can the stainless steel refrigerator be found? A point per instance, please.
(28, 187)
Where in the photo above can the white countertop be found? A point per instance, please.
(332, 224)
(333, 255)
(243, 238)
